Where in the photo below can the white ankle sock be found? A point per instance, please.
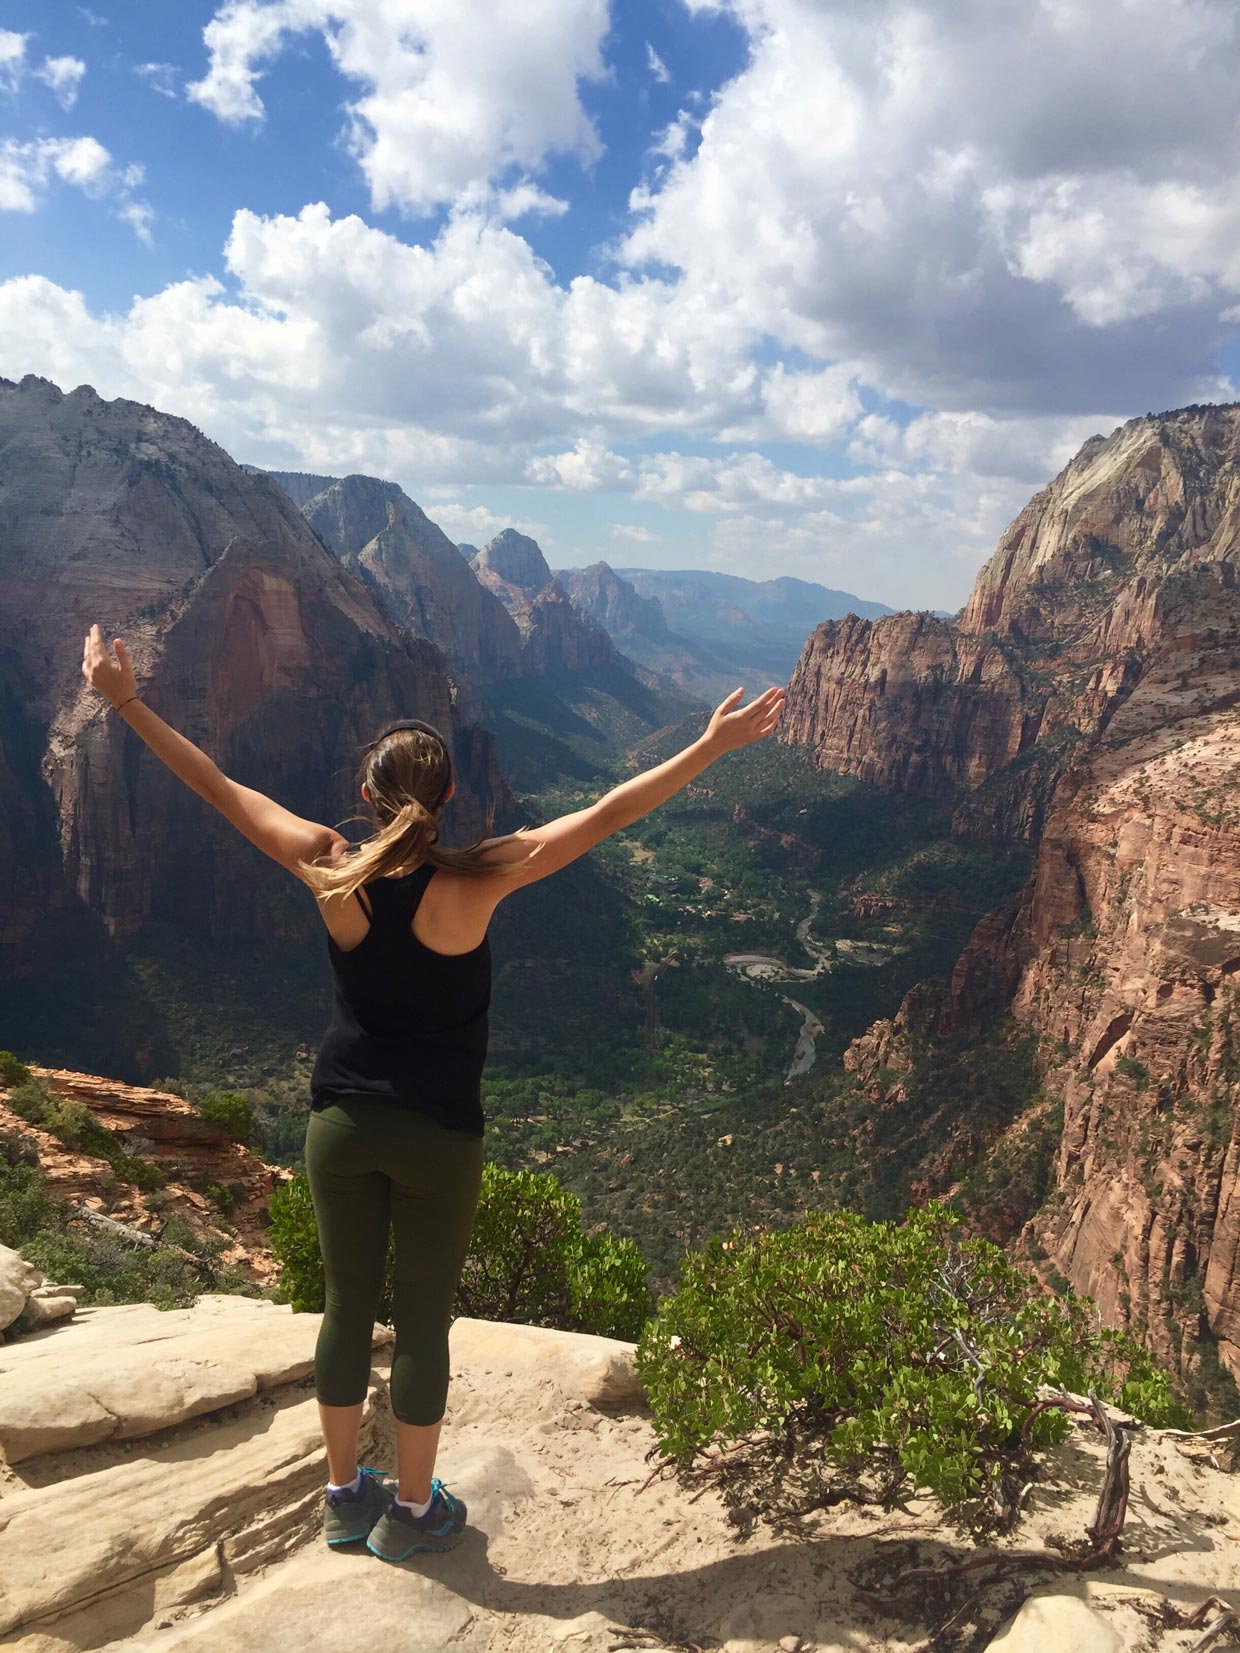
(416, 1510)
(348, 1486)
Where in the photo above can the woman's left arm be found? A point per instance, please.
(286, 837)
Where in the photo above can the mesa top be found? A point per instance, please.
(408, 1023)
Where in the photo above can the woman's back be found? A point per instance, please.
(408, 1023)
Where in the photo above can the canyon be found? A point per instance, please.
(1086, 699)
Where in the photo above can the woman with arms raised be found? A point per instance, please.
(394, 1137)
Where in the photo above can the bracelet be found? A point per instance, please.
(121, 703)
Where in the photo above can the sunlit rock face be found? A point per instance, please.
(1061, 625)
(1087, 698)
(243, 628)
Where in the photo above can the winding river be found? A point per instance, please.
(764, 967)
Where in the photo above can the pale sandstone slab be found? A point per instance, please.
(75, 1392)
(18, 1279)
(598, 1370)
(88, 1559)
(1057, 1622)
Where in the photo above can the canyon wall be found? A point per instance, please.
(1087, 698)
(242, 627)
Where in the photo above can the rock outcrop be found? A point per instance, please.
(162, 1479)
(241, 625)
(27, 1298)
(200, 1163)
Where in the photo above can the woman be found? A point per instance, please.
(394, 1138)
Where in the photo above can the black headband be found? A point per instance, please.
(410, 723)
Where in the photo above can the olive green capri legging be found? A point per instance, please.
(372, 1164)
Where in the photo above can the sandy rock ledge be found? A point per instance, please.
(162, 1482)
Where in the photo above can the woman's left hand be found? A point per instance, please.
(116, 682)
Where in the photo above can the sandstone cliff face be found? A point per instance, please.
(188, 1149)
(241, 626)
(1061, 624)
(1110, 740)
(1131, 936)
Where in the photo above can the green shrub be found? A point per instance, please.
(896, 1350)
(29, 1097)
(231, 1112)
(12, 1072)
(116, 1270)
(528, 1259)
(25, 1205)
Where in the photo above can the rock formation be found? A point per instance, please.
(558, 636)
(638, 627)
(27, 1299)
(161, 1491)
(378, 531)
(199, 1161)
(241, 625)
(1087, 698)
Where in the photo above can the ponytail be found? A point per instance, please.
(402, 763)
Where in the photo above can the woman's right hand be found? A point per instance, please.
(732, 726)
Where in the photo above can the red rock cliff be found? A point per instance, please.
(1096, 666)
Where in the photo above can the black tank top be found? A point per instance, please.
(407, 1023)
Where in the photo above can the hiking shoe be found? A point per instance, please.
(398, 1532)
(350, 1515)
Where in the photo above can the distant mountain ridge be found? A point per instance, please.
(550, 681)
(710, 631)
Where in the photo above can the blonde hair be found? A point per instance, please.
(407, 771)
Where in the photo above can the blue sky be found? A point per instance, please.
(772, 286)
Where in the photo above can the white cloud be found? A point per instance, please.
(634, 531)
(475, 524)
(92, 17)
(456, 93)
(12, 59)
(159, 77)
(893, 187)
(589, 467)
(28, 169)
(658, 68)
(64, 76)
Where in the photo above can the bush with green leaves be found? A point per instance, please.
(12, 1071)
(528, 1259)
(231, 1112)
(901, 1354)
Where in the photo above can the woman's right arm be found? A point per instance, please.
(563, 840)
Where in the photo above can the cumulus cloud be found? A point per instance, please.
(983, 206)
(28, 169)
(456, 93)
(64, 76)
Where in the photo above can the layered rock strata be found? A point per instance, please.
(1059, 629)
